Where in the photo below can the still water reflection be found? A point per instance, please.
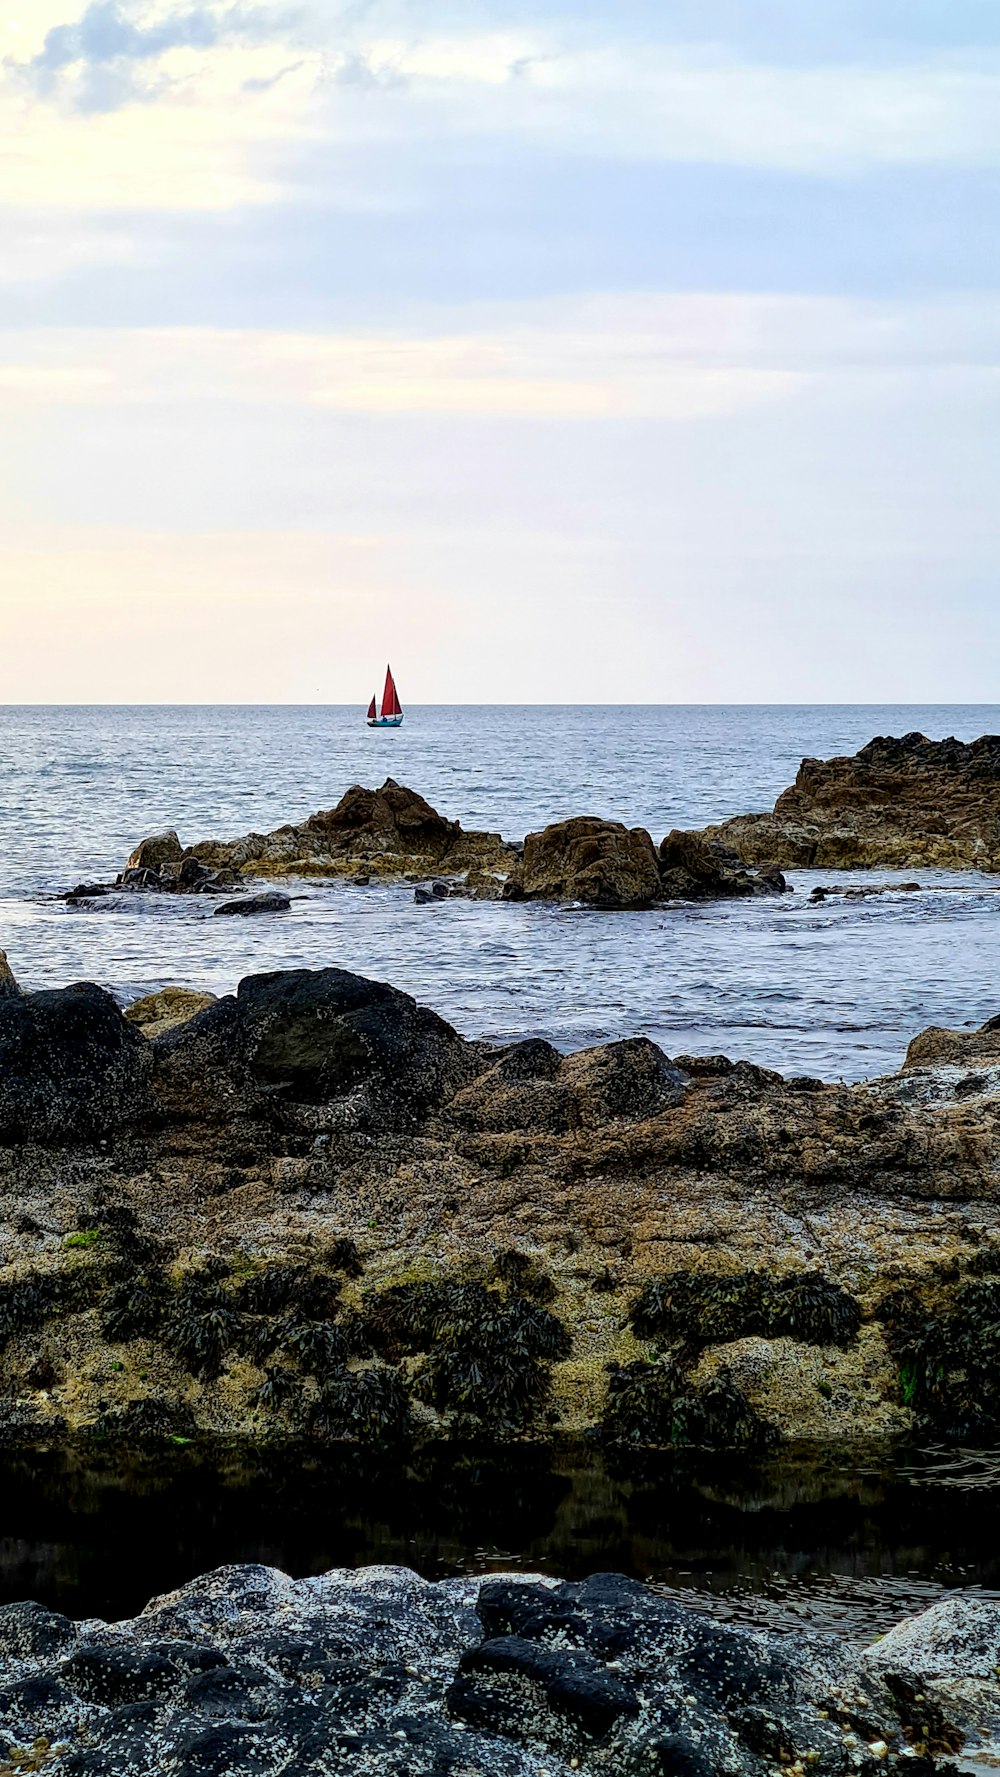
(852, 1542)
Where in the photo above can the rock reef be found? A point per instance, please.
(386, 832)
(312, 1209)
(379, 1671)
(898, 803)
(394, 833)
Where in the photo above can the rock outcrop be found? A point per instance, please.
(693, 869)
(8, 985)
(245, 1670)
(601, 863)
(71, 1067)
(312, 1208)
(386, 832)
(898, 804)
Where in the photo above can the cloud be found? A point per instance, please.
(103, 59)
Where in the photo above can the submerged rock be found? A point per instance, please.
(897, 803)
(270, 902)
(376, 1670)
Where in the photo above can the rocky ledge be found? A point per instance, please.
(898, 804)
(376, 1671)
(312, 1209)
(392, 833)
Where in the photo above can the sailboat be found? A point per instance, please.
(391, 713)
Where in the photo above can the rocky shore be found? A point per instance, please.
(311, 1208)
(897, 804)
(377, 1671)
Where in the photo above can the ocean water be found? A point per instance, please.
(835, 989)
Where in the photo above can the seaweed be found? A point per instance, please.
(344, 1256)
(364, 1406)
(286, 1285)
(487, 1354)
(134, 1308)
(710, 1308)
(200, 1326)
(148, 1421)
(315, 1344)
(948, 1362)
(27, 1302)
(523, 1276)
(280, 1388)
(656, 1404)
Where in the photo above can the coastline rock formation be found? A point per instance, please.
(898, 804)
(377, 1670)
(394, 833)
(313, 1209)
(386, 832)
(605, 864)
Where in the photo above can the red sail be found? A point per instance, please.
(372, 711)
(390, 702)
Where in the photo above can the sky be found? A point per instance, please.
(585, 350)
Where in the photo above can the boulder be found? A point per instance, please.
(269, 902)
(158, 849)
(898, 803)
(8, 985)
(159, 1012)
(693, 869)
(245, 1672)
(599, 863)
(71, 1066)
(344, 1051)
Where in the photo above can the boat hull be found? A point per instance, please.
(384, 721)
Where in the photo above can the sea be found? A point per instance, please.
(834, 989)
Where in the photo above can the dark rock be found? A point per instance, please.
(71, 1067)
(515, 1687)
(269, 902)
(29, 1631)
(159, 848)
(321, 1038)
(246, 1673)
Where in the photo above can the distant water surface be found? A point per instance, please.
(835, 989)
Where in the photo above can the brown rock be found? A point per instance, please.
(387, 832)
(937, 1047)
(7, 983)
(897, 803)
(600, 863)
(693, 869)
(158, 1012)
(159, 848)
